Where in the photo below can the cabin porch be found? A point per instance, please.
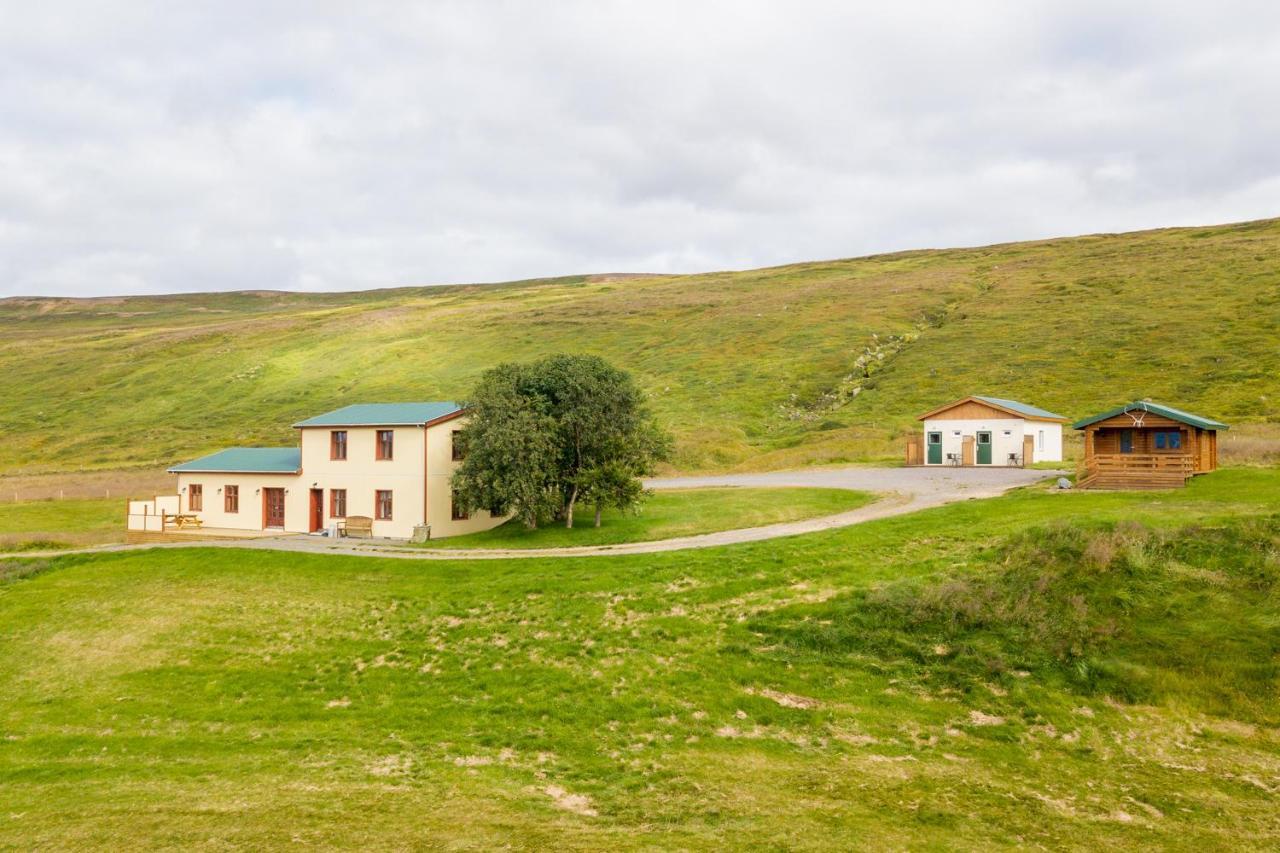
(1159, 454)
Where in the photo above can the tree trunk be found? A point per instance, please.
(568, 512)
(597, 515)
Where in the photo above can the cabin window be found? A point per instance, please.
(458, 452)
(337, 503)
(1168, 440)
(955, 432)
(1040, 440)
(382, 501)
(338, 444)
(386, 439)
(935, 438)
(231, 498)
(456, 506)
(195, 497)
(1008, 432)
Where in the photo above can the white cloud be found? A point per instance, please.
(230, 145)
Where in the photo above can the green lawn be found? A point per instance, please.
(1075, 670)
(669, 514)
(32, 525)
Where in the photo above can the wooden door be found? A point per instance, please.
(273, 507)
(317, 509)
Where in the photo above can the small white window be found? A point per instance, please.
(1008, 432)
(955, 432)
(1040, 440)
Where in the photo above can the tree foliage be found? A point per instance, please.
(545, 436)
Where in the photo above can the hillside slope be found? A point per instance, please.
(805, 363)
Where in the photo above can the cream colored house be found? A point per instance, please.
(391, 462)
(986, 431)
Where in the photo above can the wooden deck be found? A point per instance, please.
(1137, 471)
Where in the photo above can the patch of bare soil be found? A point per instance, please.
(786, 700)
(576, 803)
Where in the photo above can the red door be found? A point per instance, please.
(273, 509)
(317, 509)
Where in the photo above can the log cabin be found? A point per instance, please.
(1145, 445)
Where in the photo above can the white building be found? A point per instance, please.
(391, 462)
(989, 431)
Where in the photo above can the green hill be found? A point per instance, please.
(799, 364)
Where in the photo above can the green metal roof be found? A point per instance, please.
(1157, 409)
(383, 414)
(247, 460)
(1021, 408)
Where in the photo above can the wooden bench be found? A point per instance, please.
(182, 522)
(356, 526)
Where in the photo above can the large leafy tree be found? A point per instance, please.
(547, 435)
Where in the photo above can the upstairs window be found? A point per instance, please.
(1168, 440)
(231, 498)
(195, 497)
(458, 452)
(386, 439)
(338, 444)
(382, 504)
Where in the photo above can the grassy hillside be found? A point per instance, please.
(1088, 671)
(805, 363)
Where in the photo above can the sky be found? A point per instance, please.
(174, 147)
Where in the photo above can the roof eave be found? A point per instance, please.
(974, 398)
(227, 471)
(305, 425)
(1195, 421)
(456, 413)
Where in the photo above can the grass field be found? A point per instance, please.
(29, 525)
(815, 362)
(1075, 670)
(669, 514)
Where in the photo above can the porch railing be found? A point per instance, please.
(1140, 463)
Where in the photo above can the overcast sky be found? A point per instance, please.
(149, 148)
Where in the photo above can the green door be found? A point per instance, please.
(935, 448)
(984, 448)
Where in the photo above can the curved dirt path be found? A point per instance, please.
(902, 490)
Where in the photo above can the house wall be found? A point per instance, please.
(251, 499)
(1199, 444)
(440, 467)
(362, 474)
(955, 430)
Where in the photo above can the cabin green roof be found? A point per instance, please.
(1156, 409)
(1021, 408)
(383, 414)
(246, 460)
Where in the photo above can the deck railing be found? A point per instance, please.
(1140, 463)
